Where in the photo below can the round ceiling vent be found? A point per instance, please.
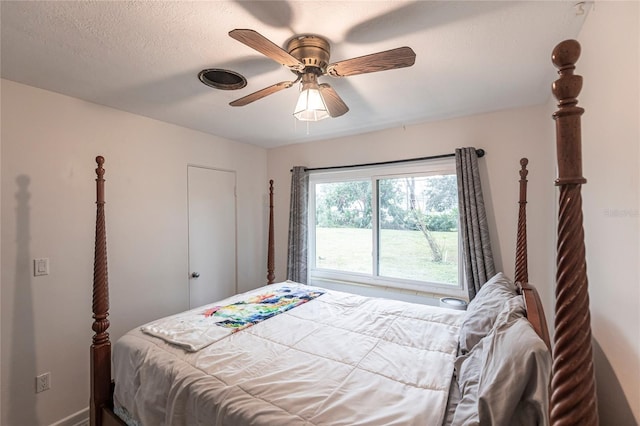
(222, 79)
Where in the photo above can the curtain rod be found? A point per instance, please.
(479, 152)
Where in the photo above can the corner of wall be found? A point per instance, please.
(0, 251)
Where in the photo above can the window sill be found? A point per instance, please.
(407, 295)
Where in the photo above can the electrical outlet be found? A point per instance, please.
(43, 382)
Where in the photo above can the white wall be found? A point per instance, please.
(611, 134)
(0, 259)
(506, 136)
(49, 143)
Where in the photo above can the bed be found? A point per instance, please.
(388, 362)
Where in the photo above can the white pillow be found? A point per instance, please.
(504, 380)
(484, 309)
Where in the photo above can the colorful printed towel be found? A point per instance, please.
(260, 307)
(196, 329)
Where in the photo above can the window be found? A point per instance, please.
(390, 226)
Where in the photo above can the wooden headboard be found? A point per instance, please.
(532, 301)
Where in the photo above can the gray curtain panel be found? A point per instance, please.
(476, 244)
(298, 218)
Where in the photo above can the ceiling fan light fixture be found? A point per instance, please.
(310, 106)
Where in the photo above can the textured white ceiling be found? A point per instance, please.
(144, 57)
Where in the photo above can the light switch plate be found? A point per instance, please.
(40, 266)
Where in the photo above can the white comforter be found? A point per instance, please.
(340, 359)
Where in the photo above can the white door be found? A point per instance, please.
(212, 235)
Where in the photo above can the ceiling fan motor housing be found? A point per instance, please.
(312, 51)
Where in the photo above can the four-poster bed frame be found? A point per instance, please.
(572, 385)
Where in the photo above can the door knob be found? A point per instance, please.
(195, 274)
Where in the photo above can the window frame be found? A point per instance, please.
(374, 174)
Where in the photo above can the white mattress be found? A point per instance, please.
(340, 359)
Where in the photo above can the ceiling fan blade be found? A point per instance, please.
(262, 93)
(265, 46)
(335, 104)
(389, 59)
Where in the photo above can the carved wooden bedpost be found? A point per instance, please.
(573, 398)
(535, 311)
(522, 270)
(101, 346)
(271, 247)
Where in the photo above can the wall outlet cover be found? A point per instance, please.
(40, 266)
(43, 382)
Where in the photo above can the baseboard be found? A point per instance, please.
(81, 418)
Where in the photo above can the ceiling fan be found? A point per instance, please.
(307, 56)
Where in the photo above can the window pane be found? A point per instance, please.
(419, 228)
(343, 226)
